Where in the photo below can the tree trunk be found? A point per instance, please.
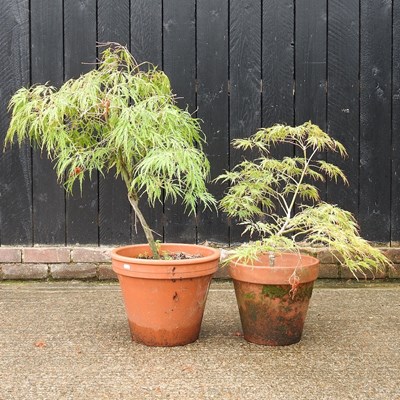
(147, 231)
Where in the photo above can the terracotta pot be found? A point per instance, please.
(273, 301)
(165, 299)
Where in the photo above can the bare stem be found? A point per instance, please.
(147, 231)
(133, 200)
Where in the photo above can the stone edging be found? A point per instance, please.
(20, 263)
(41, 263)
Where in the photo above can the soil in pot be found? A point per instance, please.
(165, 299)
(171, 256)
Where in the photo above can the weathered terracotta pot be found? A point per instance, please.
(273, 301)
(165, 299)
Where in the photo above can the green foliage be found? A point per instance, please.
(264, 192)
(120, 115)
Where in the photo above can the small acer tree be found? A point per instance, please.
(277, 200)
(120, 115)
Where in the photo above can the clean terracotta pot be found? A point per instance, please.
(273, 301)
(165, 299)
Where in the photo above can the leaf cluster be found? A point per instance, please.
(277, 199)
(120, 115)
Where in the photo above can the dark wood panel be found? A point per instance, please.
(310, 62)
(47, 55)
(395, 184)
(342, 63)
(310, 65)
(146, 31)
(146, 46)
(113, 21)
(179, 35)
(343, 97)
(15, 164)
(212, 102)
(278, 66)
(375, 117)
(278, 62)
(114, 207)
(80, 47)
(245, 78)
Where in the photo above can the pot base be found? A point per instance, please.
(164, 337)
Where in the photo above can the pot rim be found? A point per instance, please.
(215, 253)
(300, 256)
(166, 269)
(306, 270)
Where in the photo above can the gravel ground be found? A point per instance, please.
(71, 341)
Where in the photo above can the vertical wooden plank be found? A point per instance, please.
(375, 114)
(47, 66)
(395, 206)
(343, 97)
(180, 65)
(80, 46)
(245, 78)
(212, 102)
(15, 164)
(310, 62)
(278, 67)
(114, 207)
(146, 45)
(113, 21)
(310, 67)
(146, 31)
(278, 62)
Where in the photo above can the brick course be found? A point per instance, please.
(73, 271)
(345, 273)
(95, 263)
(46, 255)
(394, 273)
(10, 255)
(392, 254)
(222, 272)
(24, 271)
(328, 271)
(325, 256)
(105, 272)
(85, 254)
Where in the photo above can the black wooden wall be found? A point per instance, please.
(243, 64)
